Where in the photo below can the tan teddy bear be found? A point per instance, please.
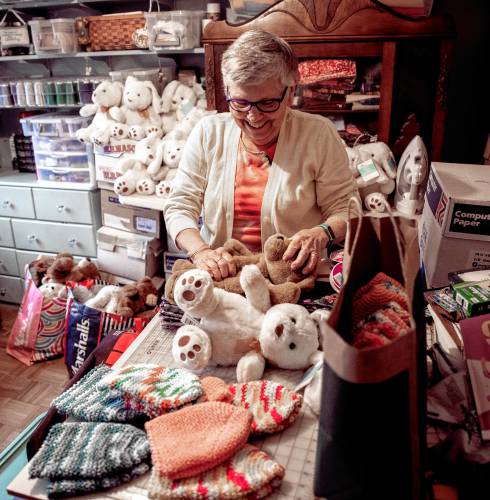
(285, 285)
(64, 269)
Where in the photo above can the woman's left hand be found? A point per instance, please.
(305, 248)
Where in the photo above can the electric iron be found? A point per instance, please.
(411, 178)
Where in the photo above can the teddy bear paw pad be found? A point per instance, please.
(191, 347)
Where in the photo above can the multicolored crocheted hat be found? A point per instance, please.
(90, 455)
(273, 406)
(196, 438)
(152, 389)
(86, 403)
(250, 473)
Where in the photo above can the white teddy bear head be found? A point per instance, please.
(194, 293)
(51, 291)
(140, 95)
(145, 150)
(289, 336)
(172, 152)
(107, 94)
(177, 96)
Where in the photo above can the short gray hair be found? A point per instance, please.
(257, 56)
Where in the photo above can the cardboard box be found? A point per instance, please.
(127, 218)
(107, 158)
(169, 258)
(128, 255)
(454, 230)
(474, 298)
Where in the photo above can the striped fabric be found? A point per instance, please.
(273, 406)
(84, 402)
(81, 457)
(250, 474)
(152, 389)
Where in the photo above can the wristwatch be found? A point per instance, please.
(329, 232)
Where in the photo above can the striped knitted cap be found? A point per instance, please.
(84, 402)
(196, 438)
(89, 450)
(376, 293)
(152, 389)
(250, 473)
(69, 487)
(214, 389)
(273, 406)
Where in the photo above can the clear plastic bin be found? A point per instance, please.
(48, 145)
(54, 125)
(183, 32)
(72, 160)
(68, 175)
(54, 36)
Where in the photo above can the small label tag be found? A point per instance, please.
(146, 225)
(368, 170)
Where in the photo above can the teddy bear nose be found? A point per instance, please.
(279, 330)
(280, 237)
(150, 157)
(188, 295)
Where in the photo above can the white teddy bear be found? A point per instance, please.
(106, 95)
(230, 325)
(141, 171)
(177, 101)
(52, 291)
(379, 174)
(139, 111)
(172, 150)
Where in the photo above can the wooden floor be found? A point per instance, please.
(25, 391)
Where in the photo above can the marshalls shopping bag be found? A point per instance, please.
(373, 400)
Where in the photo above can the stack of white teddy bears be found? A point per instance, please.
(160, 125)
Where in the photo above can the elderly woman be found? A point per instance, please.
(262, 168)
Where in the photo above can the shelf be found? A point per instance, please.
(37, 4)
(107, 53)
(44, 106)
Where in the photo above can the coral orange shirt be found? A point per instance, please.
(251, 177)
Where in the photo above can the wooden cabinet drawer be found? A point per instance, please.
(80, 207)
(11, 289)
(8, 262)
(16, 202)
(6, 235)
(54, 237)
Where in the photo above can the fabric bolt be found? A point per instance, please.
(273, 406)
(86, 456)
(85, 402)
(250, 473)
(151, 389)
(199, 437)
(214, 389)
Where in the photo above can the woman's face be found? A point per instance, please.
(259, 127)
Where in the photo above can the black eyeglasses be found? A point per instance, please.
(265, 105)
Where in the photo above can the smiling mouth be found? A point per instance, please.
(256, 126)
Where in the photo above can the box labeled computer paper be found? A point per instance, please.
(454, 230)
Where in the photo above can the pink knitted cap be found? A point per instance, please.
(196, 438)
(250, 473)
(214, 389)
(273, 406)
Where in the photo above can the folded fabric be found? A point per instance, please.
(151, 389)
(273, 406)
(250, 473)
(196, 438)
(85, 402)
(86, 456)
(214, 389)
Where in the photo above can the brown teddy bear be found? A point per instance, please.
(38, 268)
(136, 298)
(64, 269)
(285, 284)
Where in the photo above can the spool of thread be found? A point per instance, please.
(213, 11)
(21, 95)
(38, 93)
(60, 88)
(29, 90)
(49, 93)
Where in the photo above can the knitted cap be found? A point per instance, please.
(84, 402)
(196, 438)
(250, 473)
(272, 405)
(378, 292)
(152, 389)
(90, 450)
(214, 389)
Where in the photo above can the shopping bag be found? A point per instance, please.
(37, 334)
(370, 425)
(85, 327)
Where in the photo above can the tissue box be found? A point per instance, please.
(128, 255)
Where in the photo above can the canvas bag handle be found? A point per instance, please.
(15, 13)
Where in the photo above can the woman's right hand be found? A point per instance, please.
(218, 263)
